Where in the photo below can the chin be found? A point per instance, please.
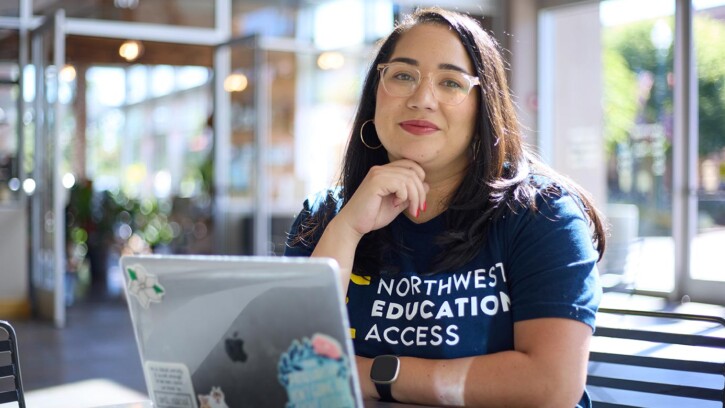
(418, 158)
(418, 154)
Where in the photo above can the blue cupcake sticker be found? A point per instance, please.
(316, 373)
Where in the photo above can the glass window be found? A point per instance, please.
(162, 80)
(106, 87)
(137, 77)
(9, 45)
(149, 142)
(274, 21)
(638, 125)
(709, 30)
(10, 8)
(9, 140)
(189, 13)
(606, 120)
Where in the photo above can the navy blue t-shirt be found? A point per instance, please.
(533, 265)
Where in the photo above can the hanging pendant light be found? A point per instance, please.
(130, 50)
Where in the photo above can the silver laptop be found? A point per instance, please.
(219, 331)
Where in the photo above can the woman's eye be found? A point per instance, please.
(451, 83)
(403, 76)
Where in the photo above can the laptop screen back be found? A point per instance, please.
(241, 331)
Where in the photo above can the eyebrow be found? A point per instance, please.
(413, 62)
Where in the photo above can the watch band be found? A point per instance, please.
(385, 392)
(383, 373)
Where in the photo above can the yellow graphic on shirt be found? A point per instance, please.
(360, 280)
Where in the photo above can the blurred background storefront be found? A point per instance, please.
(198, 127)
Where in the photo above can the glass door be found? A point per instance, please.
(706, 153)
(283, 108)
(639, 139)
(13, 213)
(47, 223)
(258, 189)
(240, 135)
(606, 120)
(642, 82)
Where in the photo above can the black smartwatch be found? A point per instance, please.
(383, 373)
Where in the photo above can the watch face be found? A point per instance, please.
(385, 369)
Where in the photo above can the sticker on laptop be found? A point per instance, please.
(170, 385)
(316, 373)
(215, 399)
(144, 286)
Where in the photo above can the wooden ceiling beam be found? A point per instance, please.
(81, 50)
(104, 51)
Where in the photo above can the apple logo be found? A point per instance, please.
(234, 347)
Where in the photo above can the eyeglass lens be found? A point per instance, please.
(449, 87)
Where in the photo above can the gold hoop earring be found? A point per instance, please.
(362, 138)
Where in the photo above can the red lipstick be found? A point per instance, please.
(419, 127)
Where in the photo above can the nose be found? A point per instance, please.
(423, 97)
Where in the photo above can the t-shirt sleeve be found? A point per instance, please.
(305, 232)
(553, 263)
(295, 246)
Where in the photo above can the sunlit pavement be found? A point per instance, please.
(649, 263)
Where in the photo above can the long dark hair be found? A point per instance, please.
(498, 179)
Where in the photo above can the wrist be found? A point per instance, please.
(384, 373)
(343, 231)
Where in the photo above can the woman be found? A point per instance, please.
(469, 266)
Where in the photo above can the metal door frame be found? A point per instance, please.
(39, 259)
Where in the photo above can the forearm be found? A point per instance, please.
(339, 242)
(547, 369)
(504, 379)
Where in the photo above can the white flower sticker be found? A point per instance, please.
(144, 286)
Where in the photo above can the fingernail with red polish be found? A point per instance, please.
(425, 205)
(417, 212)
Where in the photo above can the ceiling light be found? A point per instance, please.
(236, 82)
(68, 73)
(330, 60)
(131, 50)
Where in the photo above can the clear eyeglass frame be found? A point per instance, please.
(450, 87)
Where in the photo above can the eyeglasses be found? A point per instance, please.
(449, 86)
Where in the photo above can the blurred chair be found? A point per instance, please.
(11, 388)
(657, 359)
